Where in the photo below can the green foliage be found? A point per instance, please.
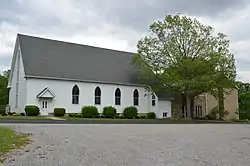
(244, 105)
(183, 55)
(240, 120)
(32, 110)
(4, 93)
(151, 115)
(201, 118)
(243, 87)
(2, 110)
(142, 117)
(11, 113)
(6, 74)
(59, 112)
(176, 117)
(224, 80)
(213, 113)
(130, 112)
(109, 112)
(75, 115)
(244, 100)
(72, 115)
(120, 117)
(90, 112)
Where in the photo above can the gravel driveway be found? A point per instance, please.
(134, 145)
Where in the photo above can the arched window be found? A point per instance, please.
(117, 96)
(136, 97)
(153, 99)
(75, 95)
(97, 95)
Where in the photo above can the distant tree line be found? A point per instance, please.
(244, 100)
(4, 93)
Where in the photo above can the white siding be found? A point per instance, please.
(154, 108)
(164, 106)
(17, 95)
(63, 95)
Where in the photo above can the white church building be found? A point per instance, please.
(55, 74)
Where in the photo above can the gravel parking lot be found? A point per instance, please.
(134, 145)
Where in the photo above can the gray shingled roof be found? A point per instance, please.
(57, 59)
(62, 60)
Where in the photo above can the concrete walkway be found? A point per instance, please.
(55, 118)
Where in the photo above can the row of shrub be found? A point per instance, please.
(33, 110)
(110, 112)
(92, 112)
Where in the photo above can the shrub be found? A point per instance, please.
(2, 111)
(22, 114)
(32, 110)
(176, 117)
(109, 112)
(201, 118)
(241, 120)
(11, 113)
(224, 114)
(213, 114)
(59, 112)
(79, 116)
(75, 115)
(151, 115)
(15, 114)
(72, 115)
(120, 117)
(141, 117)
(130, 112)
(4, 114)
(89, 112)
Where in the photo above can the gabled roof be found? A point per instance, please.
(46, 58)
(46, 93)
(52, 59)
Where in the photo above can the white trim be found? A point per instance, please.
(16, 49)
(47, 89)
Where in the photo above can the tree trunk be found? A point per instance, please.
(188, 106)
(221, 103)
(183, 102)
(192, 107)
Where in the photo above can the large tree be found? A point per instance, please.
(181, 54)
(6, 74)
(225, 80)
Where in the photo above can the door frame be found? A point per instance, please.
(45, 106)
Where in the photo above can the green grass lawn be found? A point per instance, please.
(22, 117)
(9, 140)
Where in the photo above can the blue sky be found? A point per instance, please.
(119, 24)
